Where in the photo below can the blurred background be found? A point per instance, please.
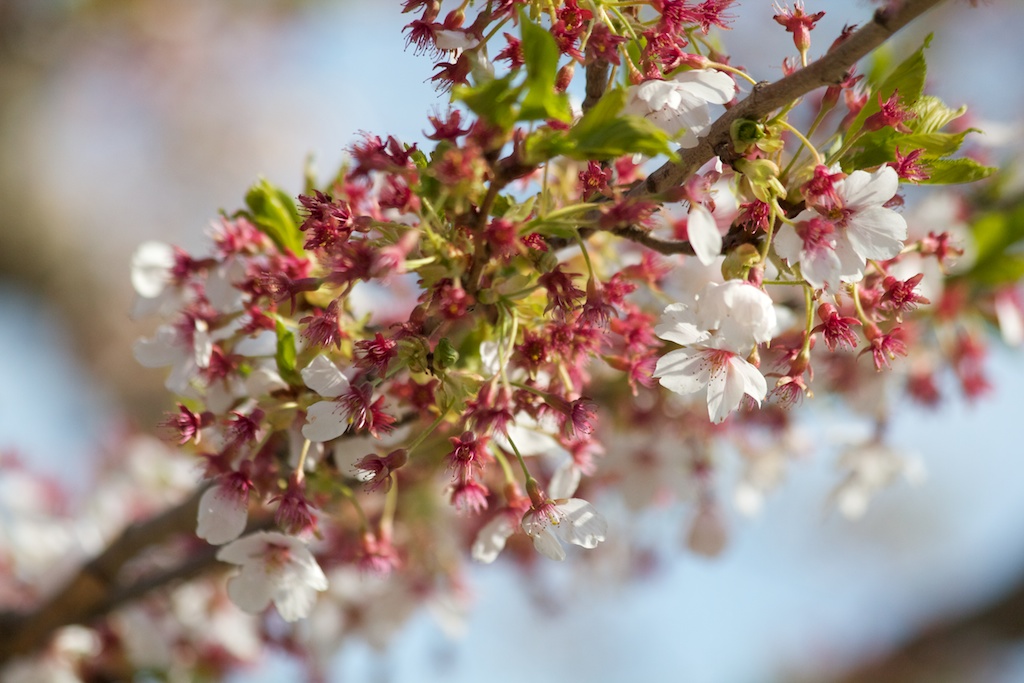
(128, 120)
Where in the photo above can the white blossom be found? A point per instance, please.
(563, 519)
(716, 332)
(273, 567)
(834, 247)
(679, 105)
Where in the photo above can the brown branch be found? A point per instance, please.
(765, 98)
(95, 591)
(957, 648)
(83, 597)
(597, 83)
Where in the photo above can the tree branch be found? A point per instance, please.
(597, 83)
(765, 98)
(955, 648)
(92, 591)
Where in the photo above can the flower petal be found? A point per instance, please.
(707, 84)
(324, 377)
(565, 480)
(222, 516)
(861, 190)
(324, 422)
(547, 544)
(877, 233)
(702, 231)
(684, 371)
(582, 525)
(151, 268)
(252, 588)
(490, 540)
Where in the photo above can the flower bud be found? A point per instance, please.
(445, 355)
(738, 262)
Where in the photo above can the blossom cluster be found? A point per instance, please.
(466, 347)
(458, 320)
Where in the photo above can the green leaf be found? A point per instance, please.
(273, 211)
(604, 134)
(933, 115)
(950, 171)
(908, 78)
(546, 143)
(879, 147)
(540, 54)
(494, 101)
(997, 237)
(285, 355)
(520, 212)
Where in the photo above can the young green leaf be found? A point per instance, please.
(274, 212)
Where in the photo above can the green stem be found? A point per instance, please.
(421, 437)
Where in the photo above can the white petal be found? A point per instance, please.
(547, 544)
(582, 524)
(490, 540)
(449, 39)
(744, 315)
(821, 268)
(222, 516)
(160, 351)
(324, 422)
(1009, 317)
(526, 435)
(749, 378)
(304, 568)
(324, 377)
(294, 602)
(861, 190)
(489, 358)
(247, 548)
(719, 399)
(202, 345)
(252, 588)
(788, 244)
(679, 325)
(264, 381)
(851, 263)
(708, 85)
(702, 231)
(220, 287)
(151, 268)
(564, 481)
(684, 371)
(263, 344)
(657, 94)
(877, 233)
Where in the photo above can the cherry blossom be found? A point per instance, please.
(833, 246)
(557, 518)
(715, 334)
(274, 567)
(680, 105)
